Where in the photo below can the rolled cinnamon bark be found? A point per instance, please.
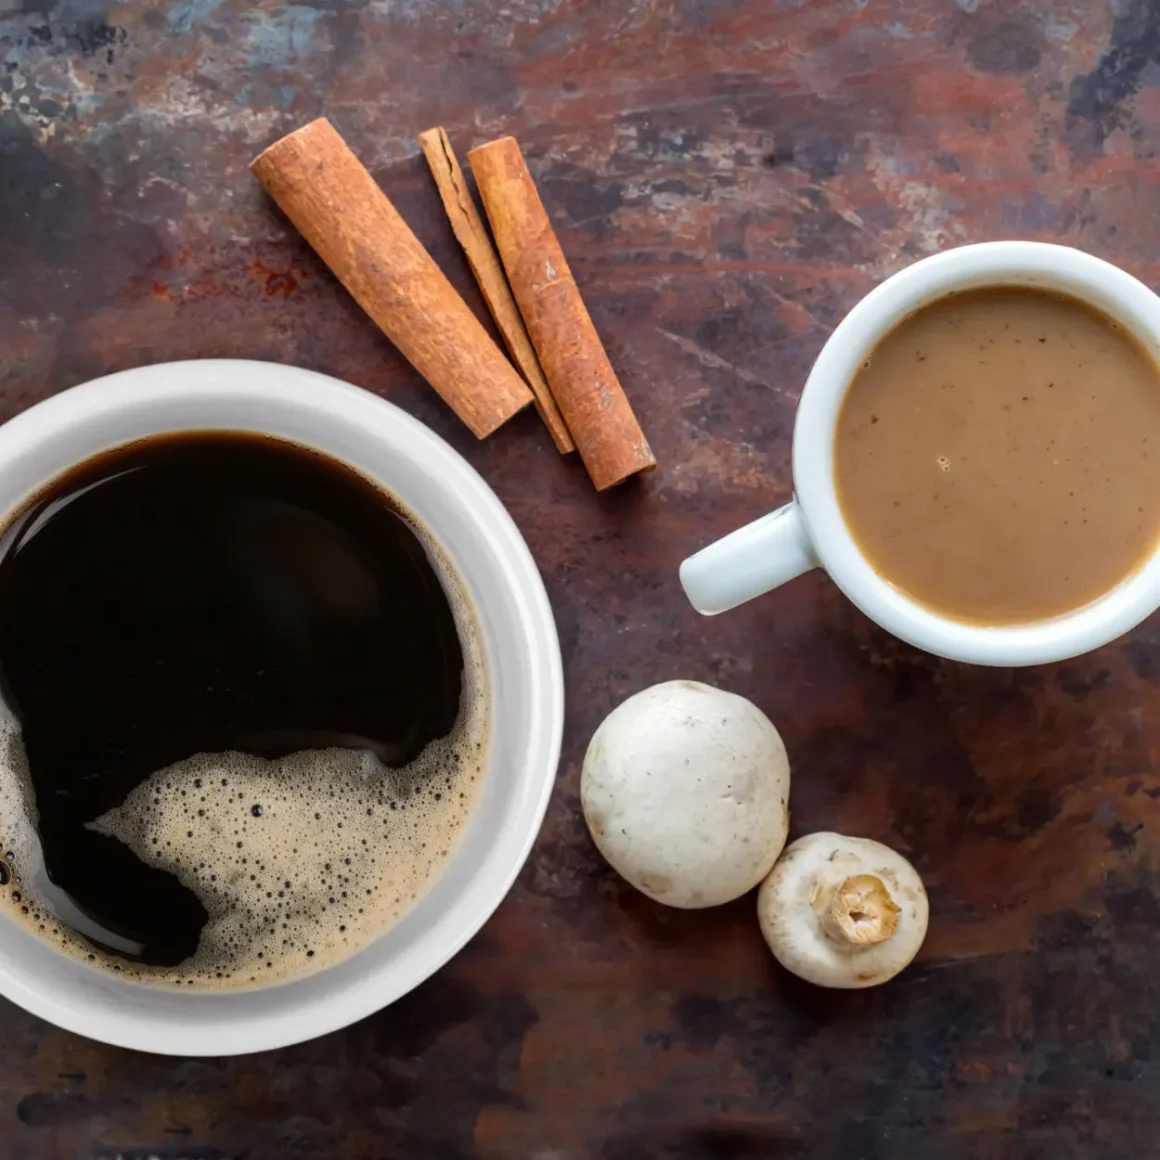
(583, 382)
(484, 262)
(339, 209)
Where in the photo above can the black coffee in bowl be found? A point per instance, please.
(245, 711)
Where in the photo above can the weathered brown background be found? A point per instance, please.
(728, 177)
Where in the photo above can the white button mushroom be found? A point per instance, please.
(843, 912)
(685, 790)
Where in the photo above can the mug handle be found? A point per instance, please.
(749, 561)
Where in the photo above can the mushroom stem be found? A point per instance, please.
(862, 911)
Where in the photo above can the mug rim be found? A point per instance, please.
(163, 1020)
(1008, 263)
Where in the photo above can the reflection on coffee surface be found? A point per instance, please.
(998, 456)
(245, 711)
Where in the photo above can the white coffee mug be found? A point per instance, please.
(811, 532)
(522, 660)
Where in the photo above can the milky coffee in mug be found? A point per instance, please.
(997, 455)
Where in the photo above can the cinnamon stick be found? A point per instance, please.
(484, 261)
(339, 209)
(594, 405)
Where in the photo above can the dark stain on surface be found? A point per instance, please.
(580, 203)
(705, 1142)
(26, 174)
(671, 185)
(1135, 908)
(1099, 97)
(569, 875)
(47, 1109)
(67, 10)
(763, 1031)
(781, 154)
(822, 157)
(510, 1018)
(411, 1026)
(93, 37)
(1011, 46)
(171, 1154)
(82, 32)
(1035, 810)
(1065, 931)
(57, 225)
(703, 1019)
(1081, 681)
(662, 135)
(1122, 837)
(1144, 656)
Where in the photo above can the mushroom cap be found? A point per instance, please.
(685, 790)
(843, 912)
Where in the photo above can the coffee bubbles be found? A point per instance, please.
(301, 860)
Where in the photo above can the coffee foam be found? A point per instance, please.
(19, 843)
(299, 861)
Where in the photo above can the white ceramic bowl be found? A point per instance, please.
(521, 652)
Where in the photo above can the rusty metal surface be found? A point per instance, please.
(728, 177)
